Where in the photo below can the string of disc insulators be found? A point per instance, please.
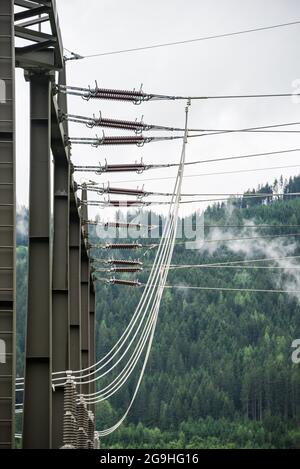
(140, 193)
(118, 281)
(116, 168)
(136, 126)
(118, 262)
(119, 246)
(119, 224)
(135, 97)
(138, 140)
(121, 270)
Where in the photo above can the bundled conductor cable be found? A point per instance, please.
(139, 126)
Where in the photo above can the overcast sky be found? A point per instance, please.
(262, 62)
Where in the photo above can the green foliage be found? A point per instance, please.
(220, 373)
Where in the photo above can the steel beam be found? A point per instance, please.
(60, 284)
(85, 293)
(7, 226)
(51, 43)
(32, 12)
(92, 355)
(38, 364)
(37, 59)
(75, 285)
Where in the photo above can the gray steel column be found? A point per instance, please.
(85, 293)
(60, 282)
(92, 336)
(75, 286)
(7, 225)
(38, 365)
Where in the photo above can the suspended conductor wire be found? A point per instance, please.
(142, 166)
(101, 190)
(221, 173)
(140, 203)
(250, 290)
(138, 127)
(187, 41)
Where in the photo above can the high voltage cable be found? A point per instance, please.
(198, 226)
(242, 238)
(154, 245)
(140, 140)
(138, 97)
(140, 203)
(141, 166)
(239, 171)
(253, 290)
(138, 127)
(199, 266)
(242, 226)
(140, 193)
(296, 194)
(190, 287)
(241, 261)
(187, 41)
(251, 155)
(195, 266)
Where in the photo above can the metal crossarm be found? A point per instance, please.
(46, 50)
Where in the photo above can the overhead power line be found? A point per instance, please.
(204, 241)
(220, 173)
(186, 41)
(199, 266)
(138, 97)
(249, 290)
(141, 193)
(140, 167)
(113, 281)
(247, 261)
(139, 127)
(141, 203)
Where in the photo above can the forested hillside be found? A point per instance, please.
(220, 372)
